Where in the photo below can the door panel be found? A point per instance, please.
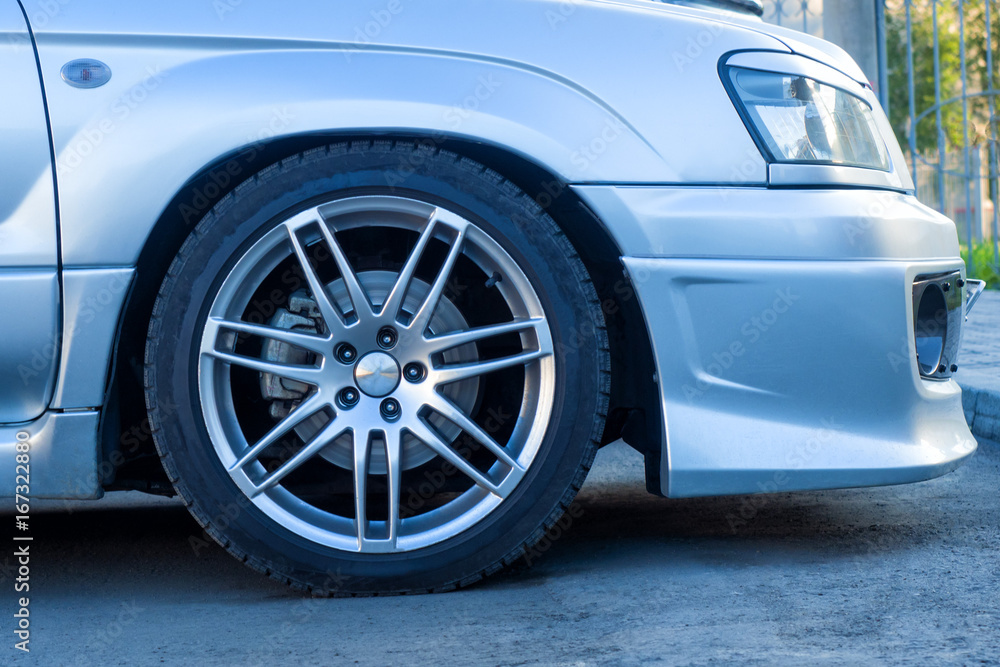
(29, 345)
(29, 287)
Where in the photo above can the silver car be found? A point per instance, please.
(368, 283)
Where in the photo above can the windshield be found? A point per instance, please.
(755, 7)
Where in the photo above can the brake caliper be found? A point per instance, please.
(301, 315)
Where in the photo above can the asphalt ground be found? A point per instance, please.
(904, 575)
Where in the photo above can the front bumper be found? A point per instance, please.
(783, 335)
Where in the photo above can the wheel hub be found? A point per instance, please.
(286, 393)
(377, 374)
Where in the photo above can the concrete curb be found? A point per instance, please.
(981, 400)
(979, 372)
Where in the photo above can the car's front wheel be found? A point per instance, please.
(365, 376)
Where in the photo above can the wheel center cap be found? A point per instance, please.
(377, 374)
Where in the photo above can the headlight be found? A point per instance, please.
(800, 120)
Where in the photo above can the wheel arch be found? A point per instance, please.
(634, 414)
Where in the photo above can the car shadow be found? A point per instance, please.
(616, 525)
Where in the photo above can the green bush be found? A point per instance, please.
(984, 265)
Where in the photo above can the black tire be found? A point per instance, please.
(524, 230)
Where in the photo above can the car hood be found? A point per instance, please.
(796, 41)
(234, 18)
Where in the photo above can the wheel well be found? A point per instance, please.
(634, 412)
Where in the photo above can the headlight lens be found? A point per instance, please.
(801, 120)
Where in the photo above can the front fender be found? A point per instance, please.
(121, 163)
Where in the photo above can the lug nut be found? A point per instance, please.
(348, 397)
(346, 354)
(960, 283)
(945, 286)
(941, 368)
(954, 368)
(390, 409)
(413, 372)
(387, 338)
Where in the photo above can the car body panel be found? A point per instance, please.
(29, 287)
(93, 302)
(794, 371)
(30, 342)
(65, 458)
(764, 223)
(27, 196)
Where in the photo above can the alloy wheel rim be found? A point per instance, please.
(377, 378)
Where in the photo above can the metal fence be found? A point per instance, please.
(804, 15)
(940, 83)
(948, 53)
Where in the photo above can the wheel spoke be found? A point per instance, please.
(362, 449)
(423, 315)
(317, 344)
(330, 432)
(393, 455)
(459, 372)
(306, 409)
(437, 443)
(397, 295)
(330, 312)
(394, 473)
(453, 413)
(448, 341)
(359, 298)
(305, 374)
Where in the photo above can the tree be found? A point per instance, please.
(922, 33)
(922, 25)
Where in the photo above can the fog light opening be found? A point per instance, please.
(931, 328)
